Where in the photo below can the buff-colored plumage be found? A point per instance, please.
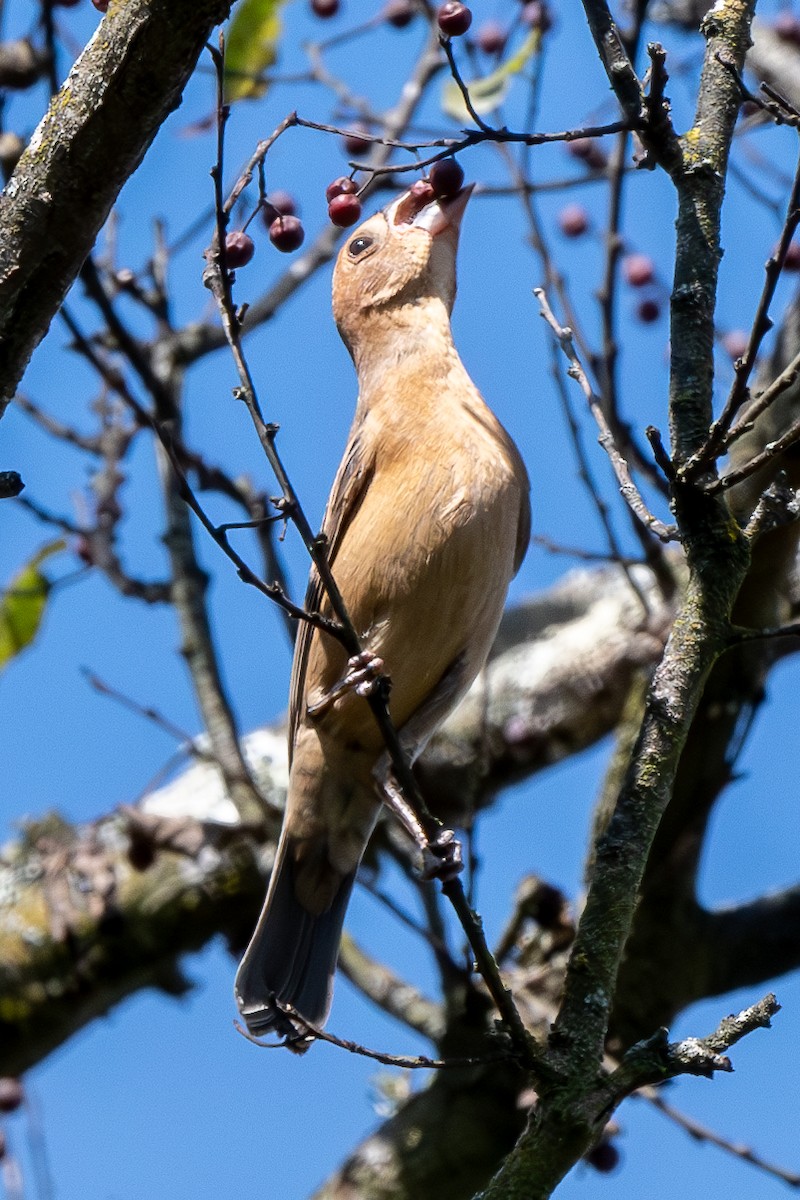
(427, 522)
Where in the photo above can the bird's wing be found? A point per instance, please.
(349, 488)
(524, 526)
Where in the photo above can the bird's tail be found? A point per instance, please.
(292, 955)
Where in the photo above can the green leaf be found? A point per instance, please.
(488, 93)
(22, 604)
(251, 46)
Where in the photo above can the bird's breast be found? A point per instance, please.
(425, 562)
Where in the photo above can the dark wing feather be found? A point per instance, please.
(523, 528)
(349, 488)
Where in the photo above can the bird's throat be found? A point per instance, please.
(405, 346)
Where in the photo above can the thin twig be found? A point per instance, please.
(701, 1133)
(628, 488)
(768, 454)
(780, 384)
(585, 474)
(272, 590)
(409, 1062)
(447, 46)
(188, 744)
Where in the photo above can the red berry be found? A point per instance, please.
(11, 1094)
(648, 310)
(536, 14)
(573, 220)
(735, 343)
(325, 8)
(287, 233)
(399, 13)
(239, 249)
(638, 269)
(454, 18)
(355, 142)
(491, 37)
(787, 27)
(792, 260)
(344, 210)
(101, 5)
(283, 203)
(341, 187)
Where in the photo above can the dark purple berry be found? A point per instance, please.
(491, 38)
(341, 187)
(648, 310)
(344, 210)
(239, 249)
(792, 260)
(638, 269)
(787, 27)
(446, 177)
(399, 13)
(589, 151)
(573, 220)
(604, 1157)
(454, 18)
(536, 14)
(283, 203)
(356, 141)
(735, 343)
(11, 1094)
(287, 233)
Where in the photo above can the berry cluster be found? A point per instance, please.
(445, 179)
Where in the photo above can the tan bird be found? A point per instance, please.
(427, 522)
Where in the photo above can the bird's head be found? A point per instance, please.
(402, 259)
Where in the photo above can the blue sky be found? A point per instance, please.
(162, 1097)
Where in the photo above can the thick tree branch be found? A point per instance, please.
(752, 942)
(94, 135)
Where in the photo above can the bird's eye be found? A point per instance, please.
(359, 245)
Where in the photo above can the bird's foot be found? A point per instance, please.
(441, 858)
(364, 673)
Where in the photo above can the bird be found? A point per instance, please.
(427, 522)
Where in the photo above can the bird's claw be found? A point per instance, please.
(363, 674)
(364, 671)
(441, 858)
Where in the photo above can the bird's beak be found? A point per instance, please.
(418, 207)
